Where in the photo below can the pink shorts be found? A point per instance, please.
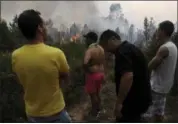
(93, 82)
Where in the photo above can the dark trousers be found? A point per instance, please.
(129, 119)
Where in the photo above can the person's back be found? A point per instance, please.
(94, 70)
(97, 58)
(37, 67)
(40, 69)
(162, 77)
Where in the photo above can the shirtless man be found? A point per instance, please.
(94, 69)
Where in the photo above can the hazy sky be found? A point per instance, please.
(134, 11)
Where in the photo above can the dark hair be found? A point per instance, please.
(106, 35)
(167, 27)
(28, 22)
(92, 36)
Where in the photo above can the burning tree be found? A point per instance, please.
(74, 33)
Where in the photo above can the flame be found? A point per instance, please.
(75, 38)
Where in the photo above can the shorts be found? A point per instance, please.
(93, 82)
(61, 117)
(158, 106)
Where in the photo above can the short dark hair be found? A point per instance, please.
(28, 22)
(167, 27)
(106, 35)
(92, 35)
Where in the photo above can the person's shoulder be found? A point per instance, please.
(17, 51)
(171, 47)
(51, 48)
(172, 44)
(101, 48)
(54, 50)
(125, 47)
(89, 51)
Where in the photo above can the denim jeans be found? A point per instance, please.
(61, 117)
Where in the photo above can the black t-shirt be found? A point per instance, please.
(128, 58)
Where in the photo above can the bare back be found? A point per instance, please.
(97, 58)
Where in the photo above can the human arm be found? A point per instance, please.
(161, 54)
(87, 58)
(13, 67)
(125, 70)
(125, 83)
(125, 86)
(63, 66)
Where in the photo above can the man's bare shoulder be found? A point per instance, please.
(101, 48)
(88, 51)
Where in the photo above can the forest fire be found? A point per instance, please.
(75, 38)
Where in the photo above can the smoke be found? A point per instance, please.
(67, 12)
(112, 21)
(10, 8)
(61, 12)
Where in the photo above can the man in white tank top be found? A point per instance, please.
(162, 68)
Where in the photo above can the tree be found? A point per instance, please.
(117, 30)
(176, 26)
(131, 33)
(139, 38)
(151, 47)
(16, 33)
(49, 23)
(52, 33)
(115, 8)
(74, 30)
(6, 42)
(152, 27)
(146, 29)
(85, 29)
(126, 24)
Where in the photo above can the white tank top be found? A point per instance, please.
(162, 78)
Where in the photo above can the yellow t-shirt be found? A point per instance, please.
(38, 68)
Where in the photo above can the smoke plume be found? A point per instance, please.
(61, 12)
(68, 12)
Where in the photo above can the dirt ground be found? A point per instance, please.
(79, 112)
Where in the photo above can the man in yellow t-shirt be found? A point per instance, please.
(40, 69)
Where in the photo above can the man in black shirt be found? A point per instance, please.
(131, 78)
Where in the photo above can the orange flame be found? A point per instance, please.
(75, 38)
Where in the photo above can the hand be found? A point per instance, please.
(117, 111)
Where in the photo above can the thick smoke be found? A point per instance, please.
(66, 13)
(11, 8)
(114, 20)
(61, 12)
